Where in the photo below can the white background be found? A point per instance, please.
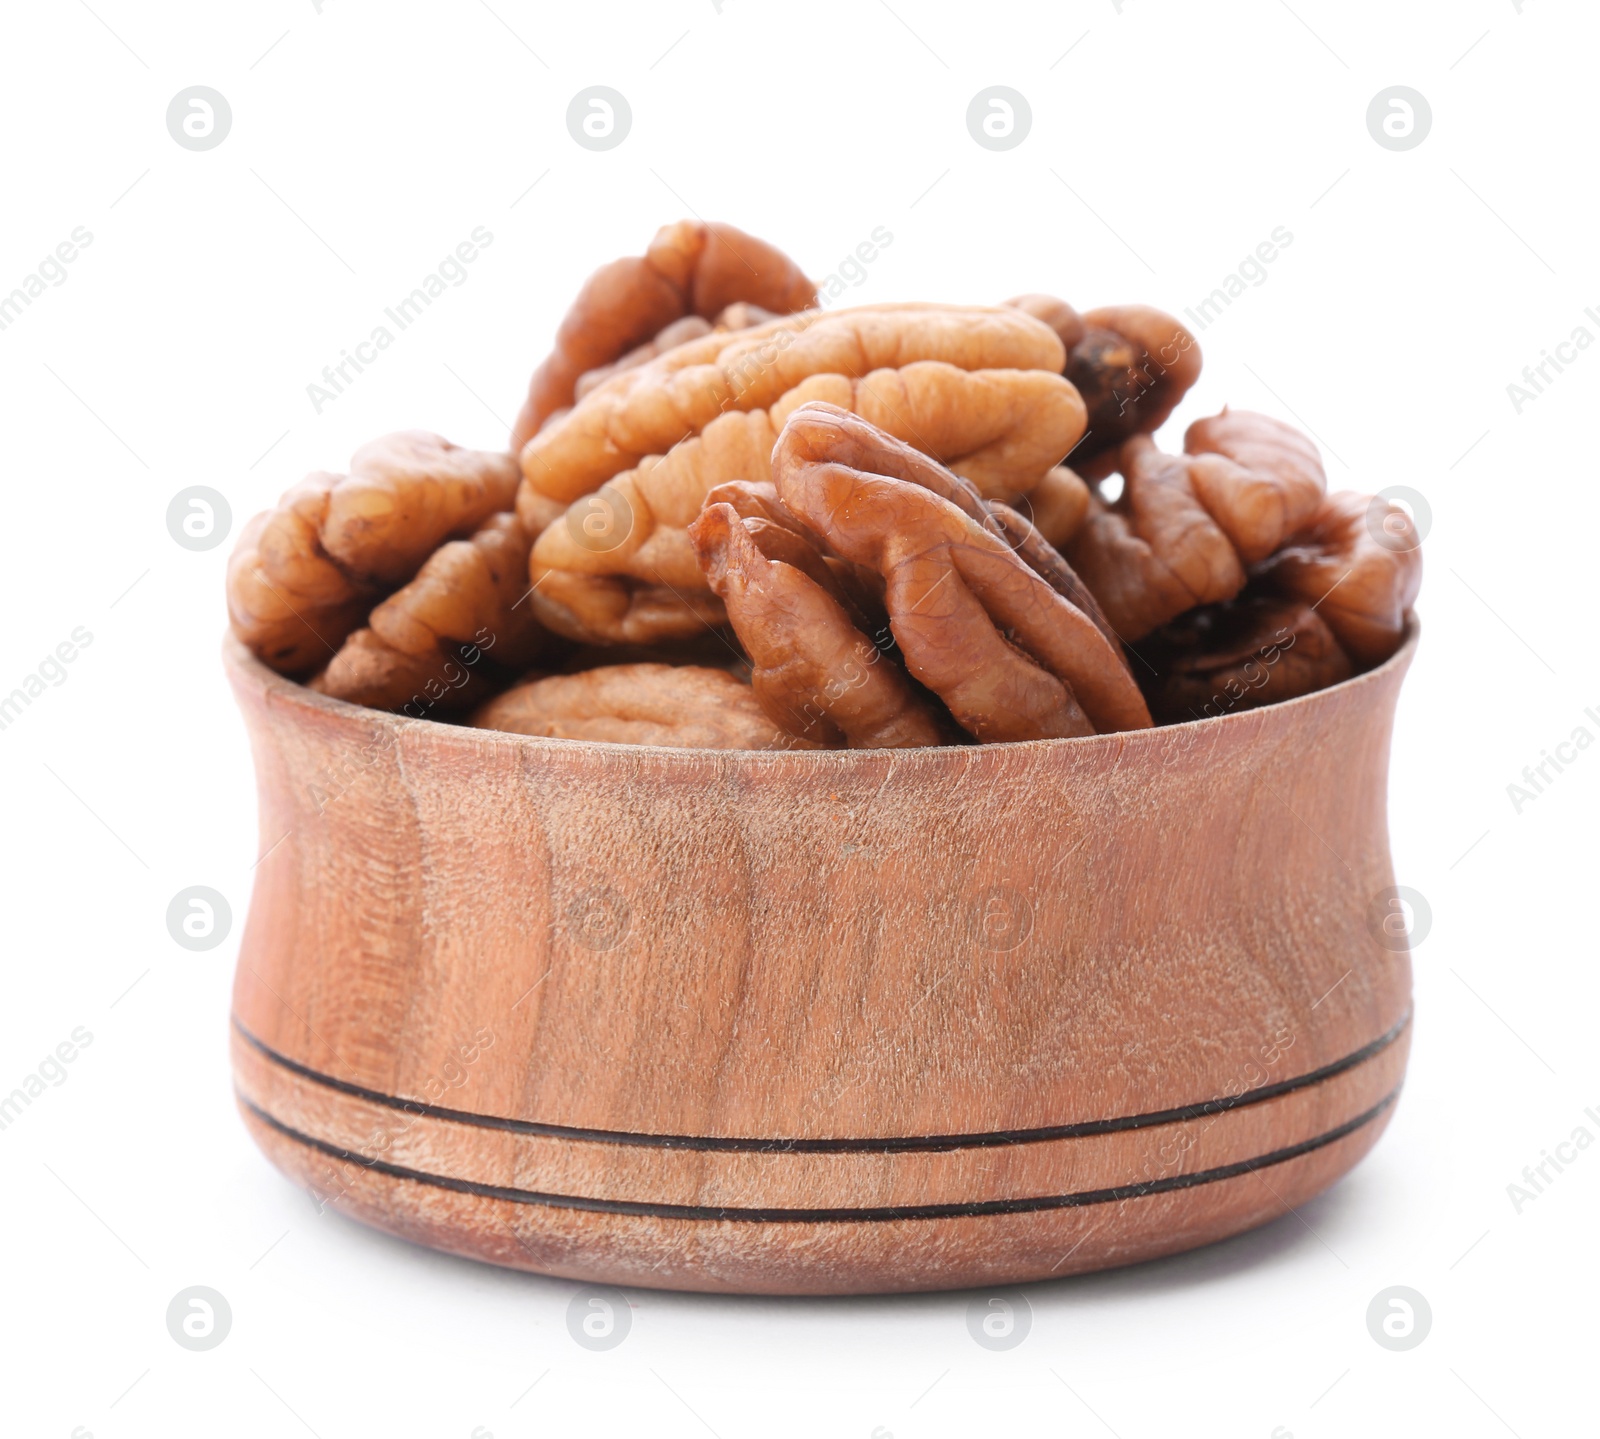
(1167, 141)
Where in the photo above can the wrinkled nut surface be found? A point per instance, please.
(864, 448)
(679, 332)
(711, 650)
(1058, 505)
(1187, 527)
(1010, 656)
(877, 502)
(690, 268)
(368, 672)
(1359, 561)
(782, 536)
(287, 601)
(1056, 313)
(1002, 428)
(1238, 655)
(1131, 363)
(740, 316)
(462, 615)
(647, 410)
(405, 495)
(681, 706)
(303, 576)
(609, 610)
(815, 672)
(1132, 367)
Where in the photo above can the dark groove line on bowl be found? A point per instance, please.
(935, 1143)
(878, 1215)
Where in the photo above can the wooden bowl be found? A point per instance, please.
(819, 1023)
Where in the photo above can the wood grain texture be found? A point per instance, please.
(819, 1022)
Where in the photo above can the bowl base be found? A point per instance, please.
(676, 1212)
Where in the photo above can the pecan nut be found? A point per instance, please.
(1251, 651)
(1009, 655)
(1186, 528)
(680, 706)
(815, 671)
(1131, 363)
(1003, 428)
(691, 268)
(1359, 561)
(462, 617)
(649, 409)
(738, 316)
(303, 576)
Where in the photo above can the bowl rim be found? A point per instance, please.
(244, 666)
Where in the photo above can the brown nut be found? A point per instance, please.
(1132, 366)
(681, 706)
(1131, 363)
(1010, 656)
(465, 612)
(711, 649)
(744, 315)
(366, 671)
(1272, 485)
(691, 268)
(1241, 654)
(814, 671)
(679, 332)
(780, 535)
(647, 410)
(287, 601)
(1358, 561)
(1057, 314)
(1058, 505)
(613, 610)
(1187, 527)
(740, 316)
(864, 449)
(1002, 427)
(303, 576)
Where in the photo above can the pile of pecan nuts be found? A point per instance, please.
(732, 519)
